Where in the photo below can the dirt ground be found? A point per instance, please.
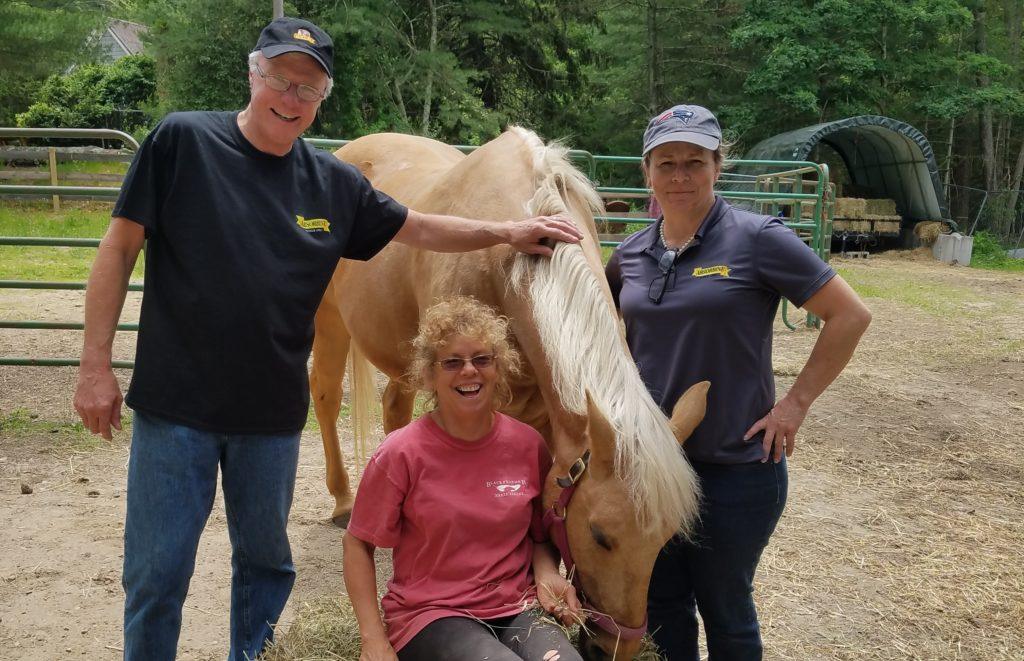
(901, 540)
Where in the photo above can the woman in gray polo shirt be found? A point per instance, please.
(698, 292)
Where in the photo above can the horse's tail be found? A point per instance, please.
(364, 401)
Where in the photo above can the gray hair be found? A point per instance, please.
(254, 60)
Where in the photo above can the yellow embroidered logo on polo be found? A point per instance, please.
(305, 36)
(313, 224)
(701, 271)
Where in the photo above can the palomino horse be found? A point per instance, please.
(579, 386)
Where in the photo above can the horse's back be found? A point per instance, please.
(403, 166)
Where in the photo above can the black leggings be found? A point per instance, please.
(514, 638)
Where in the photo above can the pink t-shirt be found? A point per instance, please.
(461, 516)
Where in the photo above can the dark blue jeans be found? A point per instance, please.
(172, 479)
(715, 573)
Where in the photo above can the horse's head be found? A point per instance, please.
(607, 539)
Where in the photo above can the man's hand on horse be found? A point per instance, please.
(537, 236)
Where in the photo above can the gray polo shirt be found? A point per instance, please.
(715, 319)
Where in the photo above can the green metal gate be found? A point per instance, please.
(800, 191)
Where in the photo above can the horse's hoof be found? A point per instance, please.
(342, 519)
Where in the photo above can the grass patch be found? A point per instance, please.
(312, 424)
(37, 219)
(66, 437)
(941, 300)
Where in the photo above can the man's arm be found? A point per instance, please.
(98, 394)
(455, 234)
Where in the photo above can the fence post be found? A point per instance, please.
(53, 177)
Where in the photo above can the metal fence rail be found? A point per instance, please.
(772, 193)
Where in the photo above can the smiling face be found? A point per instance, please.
(682, 176)
(274, 120)
(469, 391)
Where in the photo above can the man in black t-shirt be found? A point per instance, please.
(245, 225)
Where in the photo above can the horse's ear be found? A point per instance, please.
(601, 435)
(689, 410)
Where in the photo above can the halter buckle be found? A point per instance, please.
(575, 471)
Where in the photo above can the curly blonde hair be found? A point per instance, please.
(468, 317)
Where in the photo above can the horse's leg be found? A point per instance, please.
(330, 349)
(398, 404)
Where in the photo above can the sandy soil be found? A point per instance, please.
(901, 539)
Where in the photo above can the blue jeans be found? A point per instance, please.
(715, 573)
(172, 478)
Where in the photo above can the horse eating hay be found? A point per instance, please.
(615, 454)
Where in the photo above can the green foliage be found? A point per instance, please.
(95, 96)
(39, 38)
(989, 253)
(201, 48)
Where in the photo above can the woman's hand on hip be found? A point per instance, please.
(780, 427)
(558, 597)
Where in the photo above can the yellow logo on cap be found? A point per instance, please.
(304, 35)
(700, 272)
(313, 224)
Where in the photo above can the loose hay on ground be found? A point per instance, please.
(324, 628)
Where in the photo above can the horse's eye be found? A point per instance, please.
(602, 540)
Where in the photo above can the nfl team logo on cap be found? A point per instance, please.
(681, 114)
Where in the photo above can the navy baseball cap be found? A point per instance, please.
(294, 35)
(693, 124)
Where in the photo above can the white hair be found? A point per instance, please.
(254, 60)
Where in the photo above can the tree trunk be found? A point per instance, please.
(653, 59)
(949, 153)
(399, 99)
(428, 88)
(1013, 38)
(987, 139)
(1018, 173)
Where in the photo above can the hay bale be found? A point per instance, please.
(325, 629)
(849, 207)
(928, 231)
(880, 207)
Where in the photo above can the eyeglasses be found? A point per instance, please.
(454, 364)
(667, 279)
(279, 83)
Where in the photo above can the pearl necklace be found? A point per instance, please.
(664, 243)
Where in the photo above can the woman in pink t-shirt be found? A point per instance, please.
(457, 495)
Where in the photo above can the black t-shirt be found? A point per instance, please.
(241, 246)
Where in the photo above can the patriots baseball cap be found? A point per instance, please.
(693, 124)
(294, 35)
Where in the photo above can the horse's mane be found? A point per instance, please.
(573, 320)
